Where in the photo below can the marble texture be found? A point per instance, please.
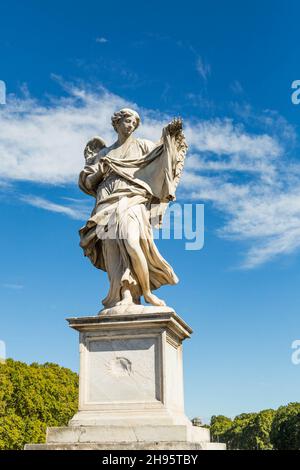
(130, 387)
(126, 368)
(131, 369)
(135, 445)
(132, 180)
(83, 434)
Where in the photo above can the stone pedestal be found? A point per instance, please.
(131, 385)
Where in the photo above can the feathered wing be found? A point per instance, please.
(91, 152)
(92, 149)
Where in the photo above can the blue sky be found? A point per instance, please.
(227, 69)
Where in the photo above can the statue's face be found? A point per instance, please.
(127, 125)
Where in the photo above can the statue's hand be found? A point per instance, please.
(103, 167)
(96, 173)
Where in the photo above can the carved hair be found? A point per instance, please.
(123, 113)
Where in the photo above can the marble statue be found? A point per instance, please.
(133, 180)
(131, 365)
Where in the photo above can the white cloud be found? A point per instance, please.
(222, 137)
(203, 68)
(76, 209)
(269, 120)
(101, 40)
(44, 142)
(246, 175)
(264, 213)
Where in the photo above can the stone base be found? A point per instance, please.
(135, 310)
(131, 446)
(128, 438)
(131, 369)
(130, 385)
(150, 417)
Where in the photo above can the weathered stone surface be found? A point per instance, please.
(131, 369)
(131, 387)
(130, 446)
(83, 434)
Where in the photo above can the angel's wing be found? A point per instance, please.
(92, 149)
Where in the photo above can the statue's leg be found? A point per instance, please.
(115, 268)
(126, 296)
(120, 291)
(139, 263)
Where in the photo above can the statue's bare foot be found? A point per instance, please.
(152, 299)
(125, 301)
(126, 297)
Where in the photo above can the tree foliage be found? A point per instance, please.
(218, 426)
(266, 430)
(285, 432)
(247, 431)
(33, 397)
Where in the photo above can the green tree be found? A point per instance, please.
(285, 432)
(238, 435)
(218, 426)
(248, 431)
(33, 397)
(260, 430)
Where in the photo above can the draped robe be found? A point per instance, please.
(137, 187)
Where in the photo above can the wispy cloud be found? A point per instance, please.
(259, 196)
(247, 175)
(236, 87)
(74, 208)
(13, 286)
(223, 137)
(203, 68)
(44, 142)
(200, 101)
(101, 40)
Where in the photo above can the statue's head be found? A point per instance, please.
(125, 121)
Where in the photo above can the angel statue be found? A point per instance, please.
(133, 181)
